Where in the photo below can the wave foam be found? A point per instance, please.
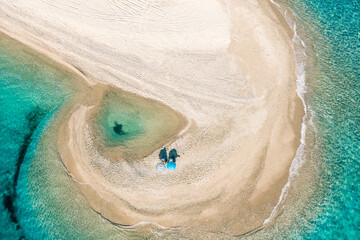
(299, 159)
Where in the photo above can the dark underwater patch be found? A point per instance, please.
(33, 119)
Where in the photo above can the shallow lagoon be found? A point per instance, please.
(146, 125)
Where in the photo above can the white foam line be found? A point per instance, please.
(147, 223)
(299, 158)
(157, 225)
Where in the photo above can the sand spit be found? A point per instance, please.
(227, 66)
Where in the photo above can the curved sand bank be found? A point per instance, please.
(228, 67)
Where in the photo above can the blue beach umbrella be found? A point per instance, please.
(171, 165)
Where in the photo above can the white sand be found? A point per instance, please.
(227, 66)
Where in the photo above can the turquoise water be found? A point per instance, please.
(27, 89)
(42, 202)
(325, 199)
(335, 97)
(145, 124)
(39, 200)
(132, 125)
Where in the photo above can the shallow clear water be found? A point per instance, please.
(334, 27)
(324, 201)
(39, 200)
(145, 124)
(43, 201)
(28, 92)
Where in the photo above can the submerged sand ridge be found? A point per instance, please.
(228, 68)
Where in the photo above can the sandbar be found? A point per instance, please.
(226, 69)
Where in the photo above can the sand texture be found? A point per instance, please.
(226, 68)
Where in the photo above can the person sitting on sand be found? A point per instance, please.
(173, 155)
(163, 155)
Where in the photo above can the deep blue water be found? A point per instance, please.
(39, 201)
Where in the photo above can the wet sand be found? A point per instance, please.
(230, 81)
